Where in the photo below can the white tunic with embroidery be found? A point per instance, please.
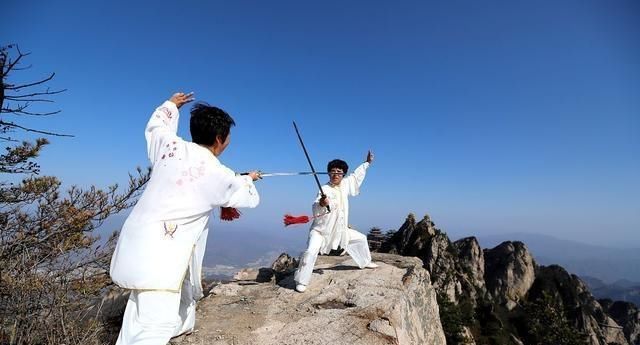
(187, 182)
(333, 225)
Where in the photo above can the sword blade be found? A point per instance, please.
(310, 164)
(292, 173)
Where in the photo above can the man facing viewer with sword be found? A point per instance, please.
(330, 230)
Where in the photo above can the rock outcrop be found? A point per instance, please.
(510, 272)
(583, 310)
(425, 241)
(626, 315)
(501, 296)
(393, 304)
(470, 258)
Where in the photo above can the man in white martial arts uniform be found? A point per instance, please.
(331, 230)
(161, 246)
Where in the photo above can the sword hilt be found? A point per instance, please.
(324, 196)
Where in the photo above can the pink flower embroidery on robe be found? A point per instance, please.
(193, 173)
(166, 112)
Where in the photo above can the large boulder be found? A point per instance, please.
(509, 272)
(471, 258)
(471, 266)
(393, 304)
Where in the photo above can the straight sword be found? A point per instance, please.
(288, 173)
(292, 173)
(310, 164)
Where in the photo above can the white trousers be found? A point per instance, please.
(357, 248)
(153, 317)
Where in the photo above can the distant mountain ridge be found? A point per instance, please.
(229, 250)
(621, 290)
(604, 263)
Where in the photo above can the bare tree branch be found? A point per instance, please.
(22, 68)
(13, 88)
(36, 94)
(11, 91)
(22, 112)
(11, 124)
(12, 98)
(15, 62)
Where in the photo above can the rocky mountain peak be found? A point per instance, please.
(509, 272)
(501, 296)
(410, 238)
(582, 309)
(471, 259)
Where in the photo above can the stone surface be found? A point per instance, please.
(499, 283)
(626, 315)
(393, 304)
(583, 309)
(509, 272)
(471, 258)
(425, 241)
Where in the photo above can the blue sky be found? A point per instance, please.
(493, 116)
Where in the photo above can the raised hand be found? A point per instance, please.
(180, 98)
(369, 157)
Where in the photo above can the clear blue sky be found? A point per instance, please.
(491, 116)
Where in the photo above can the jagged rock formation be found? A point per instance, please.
(471, 261)
(626, 315)
(510, 271)
(582, 308)
(500, 295)
(471, 258)
(393, 304)
(423, 240)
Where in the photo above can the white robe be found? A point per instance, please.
(333, 225)
(158, 240)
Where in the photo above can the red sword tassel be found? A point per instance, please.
(229, 213)
(290, 220)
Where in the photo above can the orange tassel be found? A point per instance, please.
(289, 219)
(229, 213)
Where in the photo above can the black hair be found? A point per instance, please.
(338, 164)
(208, 122)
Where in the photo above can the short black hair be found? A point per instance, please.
(208, 122)
(338, 164)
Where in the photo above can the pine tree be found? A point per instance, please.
(53, 265)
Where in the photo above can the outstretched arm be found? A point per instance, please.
(220, 186)
(356, 178)
(244, 192)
